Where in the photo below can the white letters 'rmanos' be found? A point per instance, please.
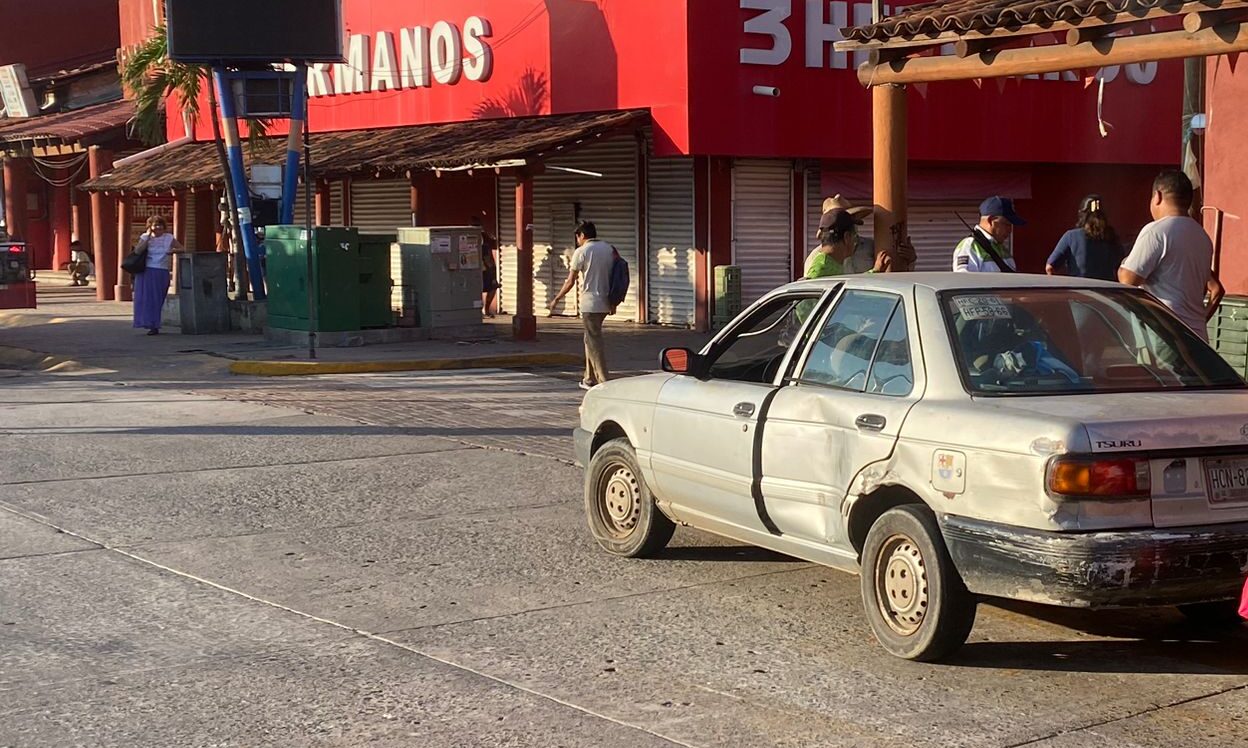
(479, 65)
(445, 53)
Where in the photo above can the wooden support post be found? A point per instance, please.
(205, 239)
(890, 121)
(103, 219)
(414, 198)
(15, 198)
(125, 211)
(179, 216)
(524, 323)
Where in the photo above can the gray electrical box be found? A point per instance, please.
(437, 276)
(204, 306)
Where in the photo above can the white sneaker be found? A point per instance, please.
(585, 385)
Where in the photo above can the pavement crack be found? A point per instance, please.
(362, 633)
(49, 554)
(1140, 713)
(226, 468)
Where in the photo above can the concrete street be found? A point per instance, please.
(401, 560)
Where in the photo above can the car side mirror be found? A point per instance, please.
(680, 361)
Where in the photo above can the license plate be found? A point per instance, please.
(1227, 479)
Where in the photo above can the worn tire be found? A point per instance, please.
(916, 602)
(619, 506)
(1216, 613)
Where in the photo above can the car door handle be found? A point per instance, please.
(870, 422)
(745, 410)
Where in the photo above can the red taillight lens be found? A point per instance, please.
(1113, 478)
(16, 250)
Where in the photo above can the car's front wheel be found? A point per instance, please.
(619, 506)
(915, 600)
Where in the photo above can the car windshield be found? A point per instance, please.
(1071, 340)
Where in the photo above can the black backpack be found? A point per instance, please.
(617, 289)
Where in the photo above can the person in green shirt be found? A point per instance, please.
(838, 238)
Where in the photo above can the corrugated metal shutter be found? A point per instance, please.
(610, 201)
(506, 243)
(936, 230)
(381, 205)
(335, 204)
(190, 226)
(814, 206)
(671, 269)
(762, 234)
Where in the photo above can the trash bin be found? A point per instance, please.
(204, 307)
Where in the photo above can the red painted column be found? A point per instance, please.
(103, 221)
(205, 239)
(524, 323)
(179, 216)
(124, 212)
(80, 218)
(703, 301)
(324, 204)
(15, 198)
(61, 219)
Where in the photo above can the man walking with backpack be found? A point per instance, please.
(603, 287)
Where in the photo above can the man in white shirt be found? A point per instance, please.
(1173, 257)
(591, 263)
(989, 241)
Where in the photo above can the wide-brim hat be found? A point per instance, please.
(836, 202)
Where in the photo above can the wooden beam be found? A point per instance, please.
(1084, 34)
(1198, 21)
(1118, 50)
(969, 47)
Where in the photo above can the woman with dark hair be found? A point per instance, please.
(1091, 249)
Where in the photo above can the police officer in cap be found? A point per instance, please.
(987, 249)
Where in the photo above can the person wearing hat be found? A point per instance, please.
(986, 249)
(838, 241)
(1091, 248)
(863, 257)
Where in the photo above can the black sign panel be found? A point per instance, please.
(255, 30)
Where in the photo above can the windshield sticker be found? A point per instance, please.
(982, 307)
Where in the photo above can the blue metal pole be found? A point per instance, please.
(238, 178)
(294, 145)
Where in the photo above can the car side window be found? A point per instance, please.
(841, 354)
(891, 371)
(755, 349)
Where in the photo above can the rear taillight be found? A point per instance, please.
(1125, 478)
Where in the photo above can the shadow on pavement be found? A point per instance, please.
(240, 430)
(724, 553)
(1201, 656)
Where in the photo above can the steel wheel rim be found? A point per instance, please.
(619, 501)
(901, 588)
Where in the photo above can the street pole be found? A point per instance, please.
(238, 179)
(307, 220)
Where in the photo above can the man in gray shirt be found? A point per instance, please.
(591, 262)
(1172, 258)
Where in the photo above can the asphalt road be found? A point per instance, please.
(401, 561)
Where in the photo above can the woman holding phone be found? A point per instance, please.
(151, 286)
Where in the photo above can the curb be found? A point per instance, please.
(12, 357)
(308, 368)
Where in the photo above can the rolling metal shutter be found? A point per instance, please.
(814, 207)
(507, 243)
(610, 201)
(936, 230)
(381, 205)
(335, 204)
(671, 260)
(762, 232)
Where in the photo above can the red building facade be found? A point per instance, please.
(753, 119)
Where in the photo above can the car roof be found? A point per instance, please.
(951, 281)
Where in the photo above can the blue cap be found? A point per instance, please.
(1001, 206)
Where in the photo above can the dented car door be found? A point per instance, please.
(840, 411)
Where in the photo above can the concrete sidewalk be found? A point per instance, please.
(70, 325)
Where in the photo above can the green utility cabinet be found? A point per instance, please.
(375, 280)
(335, 277)
(1228, 332)
(437, 275)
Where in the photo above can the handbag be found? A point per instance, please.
(135, 262)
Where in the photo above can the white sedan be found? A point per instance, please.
(948, 436)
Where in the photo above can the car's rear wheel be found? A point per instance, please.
(1216, 613)
(619, 506)
(915, 600)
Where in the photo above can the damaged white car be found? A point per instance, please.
(948, 436)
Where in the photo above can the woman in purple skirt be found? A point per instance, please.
(151, 287)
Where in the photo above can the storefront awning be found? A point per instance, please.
(79, 126)
(478, 144)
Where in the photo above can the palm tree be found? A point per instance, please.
(154, 80)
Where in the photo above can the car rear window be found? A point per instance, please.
(1067, 340)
